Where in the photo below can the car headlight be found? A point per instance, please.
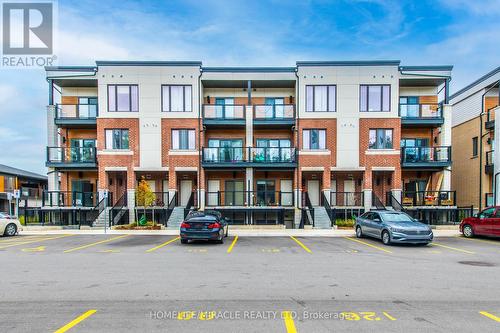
(393, 229)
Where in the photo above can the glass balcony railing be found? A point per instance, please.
(420, 111)
(68, 155)
(274, 112)
(223, 112)
(429, 198)
(76, 111)
(238, 155)
(249, 198)
(426, 155)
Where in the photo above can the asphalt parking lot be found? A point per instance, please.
(117, 283)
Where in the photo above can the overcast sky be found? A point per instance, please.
(461, 33)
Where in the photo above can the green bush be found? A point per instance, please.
(345, 223)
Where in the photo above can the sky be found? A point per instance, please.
(461, 33)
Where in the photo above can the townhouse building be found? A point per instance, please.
(264, 145)
(473, 133)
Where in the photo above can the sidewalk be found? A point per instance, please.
(232, 231)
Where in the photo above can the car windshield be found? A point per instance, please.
(396, 217)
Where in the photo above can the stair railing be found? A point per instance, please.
(97, 210)
(170, 208)
(393, 202)
(328, 209)
(189, 204)
(376, 202)
(307, 209)
(116, 209)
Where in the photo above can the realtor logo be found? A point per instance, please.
(27, 28)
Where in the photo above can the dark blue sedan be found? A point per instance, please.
(393, 227)
(208, 225)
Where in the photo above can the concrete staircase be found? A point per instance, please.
(176, 218)
(99, 222)
(321, 218)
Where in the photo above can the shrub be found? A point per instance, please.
(345, 223)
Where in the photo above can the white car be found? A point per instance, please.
(9, 226)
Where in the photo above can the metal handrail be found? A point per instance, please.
(69, 198)
(391, 200)
(426, 154)
(423, 110)
(117, 208)
(376, 202)
(249, 198)
(224, 111)
(328, 209)
(249, 155)
(72, 154)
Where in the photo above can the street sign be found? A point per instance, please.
(17, 194)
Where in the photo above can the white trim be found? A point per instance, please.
(361, 168)
(382, 152)
(381, 168)
(183, 152)
(150, 169)
(314, 152)
(115, 169)
(115, 152)
(312, 168)
(186, 168)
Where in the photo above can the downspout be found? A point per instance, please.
(296, 130)
(200, 124)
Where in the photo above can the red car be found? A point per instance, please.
(485, 223)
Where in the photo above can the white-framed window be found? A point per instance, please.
(314, 139)
(176, 98)
(183, 139)
(117, 138)
(375, 98)
(321, 98)
(123, 98)
(380, 138)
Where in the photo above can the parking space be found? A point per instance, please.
(324, 284)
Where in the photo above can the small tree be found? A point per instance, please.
(144, 195)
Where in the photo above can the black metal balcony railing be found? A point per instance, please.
(440, 155)
(249, 198)
(490, 119)
(429, 198)
(489, 199)
(161, 199)
(274, 112)
(68, 155)
(223, 112)
(71, 199)
(30, 192)
(76, 111)
(346, 199)
(420, 111)
(489, 164)
(238, 155)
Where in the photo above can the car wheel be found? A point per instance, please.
(467, 231)
(386, 237)
(184, 241)
(10, 229)
(359, 232)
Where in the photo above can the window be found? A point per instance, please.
(183, 139)
(176, 98)
(314, 138)
(321, 98)
(380, 139)
(409, 107)
(87, 107)
(474, 146)
(123, 98)
(117, 139)
(375, 98)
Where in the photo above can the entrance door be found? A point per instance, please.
(186, 190)
(286, 192)
(333, 193)
(213, 192)
(82, 192)
(313, 191)
(152, 185)
(349, 188)
(166, 197)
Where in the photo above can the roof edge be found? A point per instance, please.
(475, 83)
(147, 63)
(350, 63)
(427, 68)
(70, 68)
(249, 69)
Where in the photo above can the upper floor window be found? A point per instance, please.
(380, 138)
(475, 144)
(123, 98)
(321, 98)
(314, 139)
(87, 107)
(176, 98)
(183, 139)
(117, 139)
(375, 98)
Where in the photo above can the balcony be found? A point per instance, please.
(76, 115)
(71, 199)
(429, 198)
(230, 157)
(223, 115)
(426, 157)
(249, 199)
(346, 199)
(490, 119)
(274, 115)
(489, 165)
(421, 114)
(71, 158)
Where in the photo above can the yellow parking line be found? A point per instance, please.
(452, 248)
(368, 244)
(388, 316)
(19, 239)
(33, 241)
(92, 244)
(76, 321)
(162, 245)
(289, 324)
(301, 245)
(489, 315)
(232, 244)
